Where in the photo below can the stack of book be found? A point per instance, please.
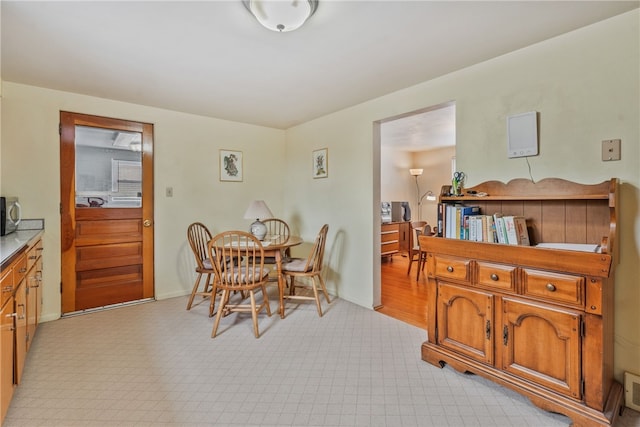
(457, 221)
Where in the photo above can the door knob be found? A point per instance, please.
(147, 223)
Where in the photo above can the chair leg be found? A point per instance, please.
(410, 263)
(324, 289)
(223, 302)
(315, 294)
(193, 292)
(212, 304)
(292, 286)
(266, 300)
(421, 262)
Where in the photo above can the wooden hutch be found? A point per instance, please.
(539, 321)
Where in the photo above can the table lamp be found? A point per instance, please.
(258, 209)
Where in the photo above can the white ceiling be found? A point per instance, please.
(212, 58)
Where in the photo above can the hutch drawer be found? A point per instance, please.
(554, 287)
(497, 276)
(451, 268)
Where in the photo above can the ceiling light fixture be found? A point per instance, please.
(281, 15)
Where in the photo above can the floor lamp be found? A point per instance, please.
(429, 194)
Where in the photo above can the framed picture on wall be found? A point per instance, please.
(321, 163)
(230, 165)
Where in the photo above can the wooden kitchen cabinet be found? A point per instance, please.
(536, 320)
(20, 282)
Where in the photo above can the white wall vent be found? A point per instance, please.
(632, 391)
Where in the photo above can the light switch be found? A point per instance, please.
(169, 192)
(610, 149)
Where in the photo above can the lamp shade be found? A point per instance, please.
(281, 16)
(258, 209)
(415, 172)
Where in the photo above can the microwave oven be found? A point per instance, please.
(10, 215)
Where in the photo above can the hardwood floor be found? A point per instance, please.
(402, 297)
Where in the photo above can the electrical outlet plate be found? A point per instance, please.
(632, 391)
(169, 191)
(610, 150)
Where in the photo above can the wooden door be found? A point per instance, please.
(106, 211)
(465, 321)
(542, 344)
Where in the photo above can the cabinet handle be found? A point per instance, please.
(450, 269)
(7, 289)
(551, 287)
(494, 277)
(505, 335)
(488, 329)
(23, 311)
(22, 270)
(33, 256)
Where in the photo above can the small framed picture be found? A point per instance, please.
(230, 165)
(321, 163)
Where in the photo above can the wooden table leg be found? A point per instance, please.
(281, 284)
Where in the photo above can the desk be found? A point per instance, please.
(275, 248)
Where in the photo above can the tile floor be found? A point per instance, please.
(154, 364)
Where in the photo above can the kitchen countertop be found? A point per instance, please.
(11, 244)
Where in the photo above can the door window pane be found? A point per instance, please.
(108, 168)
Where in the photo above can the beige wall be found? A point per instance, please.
(584, 85)
(185, 158)
(569, 80)
(395, 182)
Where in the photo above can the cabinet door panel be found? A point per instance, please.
(465, 321)
(21, 330)
(6, 357)
(542, 344)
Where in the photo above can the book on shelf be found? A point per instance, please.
(485, 229)
(468, 215)
(440, 224)
(490, 235)
(522, 230)
(516, 230)
(501, 231)
(457, 220)
(450, 221)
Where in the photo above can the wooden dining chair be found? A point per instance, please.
(276, 228)
(238, 262)
(309, 268)
(198, 236)
(422, 255)
(414, 248)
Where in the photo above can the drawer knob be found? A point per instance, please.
(494, 277)
(450, 269)
(551, 287)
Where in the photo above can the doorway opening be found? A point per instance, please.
(424, 140)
